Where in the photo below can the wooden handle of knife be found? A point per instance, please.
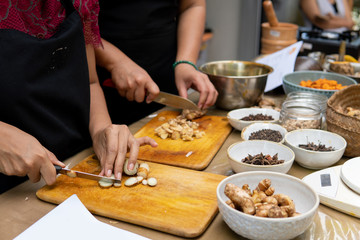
(270, 13)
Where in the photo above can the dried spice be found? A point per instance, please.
(261, 159)
(266, 134)
(257, 117)
(316, 147)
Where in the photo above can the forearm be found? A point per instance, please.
(190, 29)
(99, 116)
(108, 56)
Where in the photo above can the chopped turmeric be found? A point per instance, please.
(322, 83)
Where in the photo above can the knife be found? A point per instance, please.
(73, 173)
(175, 101)
(167, 99)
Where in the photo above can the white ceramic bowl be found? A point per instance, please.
(305, 198)
(234, 116)
(315, 159)
(255, 127)
(239, 150)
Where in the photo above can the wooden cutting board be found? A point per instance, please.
(183, 202)
(195, 154)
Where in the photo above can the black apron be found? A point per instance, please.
(146, 32)
(44, 88)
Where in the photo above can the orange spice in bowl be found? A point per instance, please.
(322, 83)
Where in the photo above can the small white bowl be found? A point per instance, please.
(239, 150)
(315, 159)
(235, 116)
(305, 198)
(255, 127)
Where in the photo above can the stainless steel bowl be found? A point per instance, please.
(239, 83)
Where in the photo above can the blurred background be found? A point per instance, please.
(235, 27)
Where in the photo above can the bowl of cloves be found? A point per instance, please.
(314, 148)
(260, 155)
(264, 131)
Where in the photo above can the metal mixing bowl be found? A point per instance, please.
(239, 83)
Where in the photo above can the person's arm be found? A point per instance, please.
(191, 25)
(111, 142)
(21, 154)
(311, 10)
(131, 81)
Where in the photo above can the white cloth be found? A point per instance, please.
(326, 7)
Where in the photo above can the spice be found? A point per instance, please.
(293, 124)
(322, 83)
(257, 117)
(316, 147)
(266, 134)
(261, 159)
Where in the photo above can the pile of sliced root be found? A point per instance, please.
(139, 174)
(261, 202)
(179, 128)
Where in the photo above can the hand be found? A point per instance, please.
(111, 145)
(186, 76)
(21, 154)
(133, 82)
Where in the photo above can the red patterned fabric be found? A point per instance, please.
(40, 18)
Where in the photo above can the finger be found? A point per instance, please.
(133, 153)
(182, 91)
(147, 141)
(34, 175)
(130, 94)
(153, 91)
(47, 169)
(111, 151)
(212, 96)
(204, 95)
(54, 159)
(140, 94)
(123, 136)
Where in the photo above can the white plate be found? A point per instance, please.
(350, 174)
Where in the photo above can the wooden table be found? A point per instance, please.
(20, 208)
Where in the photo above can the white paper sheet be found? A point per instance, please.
(71, 220)
(282, 62)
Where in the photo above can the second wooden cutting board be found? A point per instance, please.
(195, 154)
(183, 202)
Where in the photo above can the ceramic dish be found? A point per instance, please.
(255, 127)
(235, 116)
(315, 159)
(291, 81)
(239, 150)
(304, 197)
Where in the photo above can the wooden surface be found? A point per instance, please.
(174, 152)
(21, 208)
(183, 202)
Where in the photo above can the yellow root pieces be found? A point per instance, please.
(240, 198)
(261, 202)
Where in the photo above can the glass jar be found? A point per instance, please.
(298, 114)
(314, 98)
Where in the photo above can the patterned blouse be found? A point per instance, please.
(41, 18)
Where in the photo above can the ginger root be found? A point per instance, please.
(261, 202)
(240, 198)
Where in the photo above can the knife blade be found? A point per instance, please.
(167, 99)
(175, 101)
(73, 173)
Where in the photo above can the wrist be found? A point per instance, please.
(185, 62)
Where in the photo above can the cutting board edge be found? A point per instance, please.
(184, 232)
